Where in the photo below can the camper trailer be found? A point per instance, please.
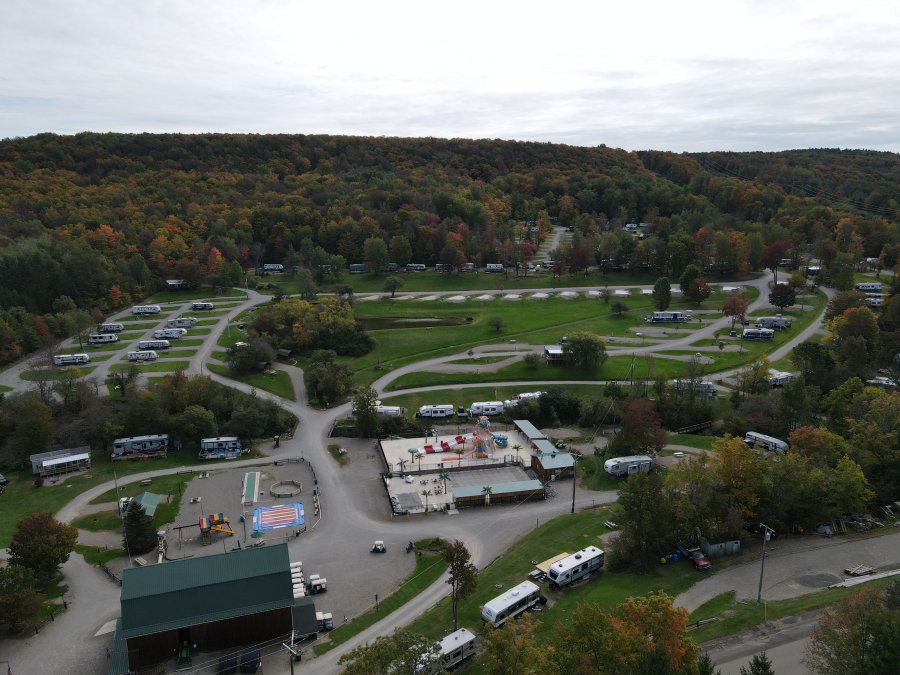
(102, 338)
(668, 317)
(486, 408)
(493, 267)
(146, 355)
(415, 267)
(202, 306)
(622, 467)
(874, 299)
(774, 322)
(358, 268)
(778, 378)
(511, 603)
(71, 359)
(389, 410)
(443, 410)
(137, 445)
(758, 334)
(110, 327)
(138, 310)
(273, 267)
(576, 566)
(702, 388)
(767, 443)
(169, 333)
(145, 345)
(181, 322)
(448, 653)
(224, 447)
(525, 396)
(869, 286)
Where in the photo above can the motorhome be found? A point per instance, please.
(202, 306)
(778, 378)
(140, 444)
(525, 396)
(110, 327)
(700, 388)
(668, 317)
(774, 322)
(511, 603)
(169, 333)
(869, 286)
(222, 447)
(442, 410)
(181, 322)
(102, 338)
(145, 309)
(576, 566)
(874, 299)
(415, 267)
(389, 410)
(144, 345)
(882, 381)
(758, 334)
(71, 359)
(146, 355)
(273, 267)
(449, 652)
(493, 267)
(622, 467)
(767, 443)
(358, 268)
(486, 408)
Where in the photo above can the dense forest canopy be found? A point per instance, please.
(100, 220)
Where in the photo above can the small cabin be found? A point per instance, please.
(58, 462)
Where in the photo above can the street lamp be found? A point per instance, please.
(767, 535)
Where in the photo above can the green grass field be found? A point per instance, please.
(177, 353)
(278, 382)
(207, 294)
(34, 375)
(94, 555)
(153, 367)
(693, 440)
(98, 522)
(132, 319)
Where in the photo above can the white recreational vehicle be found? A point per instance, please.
(525, 396)
(875, 299)
(767, 443)
(181, 322)
(102, 338)
(493, 267)
(169, 333)
(576, 566)
(511, 603)
(774, 322)
(145, 309)
(449, 652)
(146, 355)
(443, 410)
(758, 334)
(622, 467)
(202, 306)
(389, 410)
(110, 327)
(140, 444)
(273, 267)
(869, 286)
(486, 408)
(223, 447)
(145, 345)
(415, 267)
(668, 317)
(701, 388)
(71, 359)
(778, 378)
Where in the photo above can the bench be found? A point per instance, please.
(140, 562)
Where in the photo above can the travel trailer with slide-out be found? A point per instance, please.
(486, 408)
(668, 317)
(140, 444)
(774, 322)
(869, 286)
(758, 334)
(576, 566)
(102, 338)
(622, 467)
(443, 410)
(767, 443)
(110, 327)
(71, 359)
(170, 333)
(145, 309)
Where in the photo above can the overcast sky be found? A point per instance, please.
(636, 74)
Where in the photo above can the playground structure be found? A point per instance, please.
(214, 522)
(480, 443)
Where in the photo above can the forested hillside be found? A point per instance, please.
(91, 222)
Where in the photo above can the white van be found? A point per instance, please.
(869, 286)
(181, 322)
(102, 338)
(71, 359)
(758, 334)
(202, 306)
(110, 327)
(145, 309)
(146, 355)
(767, 443)
(493, 267)
(170, 333)
(486, 408)
(144, 345)
(444, 410)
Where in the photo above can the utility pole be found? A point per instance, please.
(574, 480)
(767, 534)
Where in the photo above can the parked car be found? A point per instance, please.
(4, 481)
(697, 557)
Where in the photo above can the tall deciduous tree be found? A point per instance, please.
(364, 412)
(512, 649)
(392, 284)
(375, 252)
(42, 543)
(584, 350)
(403, 652)
(735, 306)
(19, 601)
(463, 575)
(641, 431)
(783, 295)
(646, 525)
(662, 294)
(698, 291)
(690, 273)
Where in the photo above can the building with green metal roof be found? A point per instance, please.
(215, 602)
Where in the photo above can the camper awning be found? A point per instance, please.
(545, 566)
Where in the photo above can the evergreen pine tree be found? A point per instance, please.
(140, 534)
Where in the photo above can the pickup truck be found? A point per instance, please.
(696, 557)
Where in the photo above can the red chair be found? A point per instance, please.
(445, 445)
(429, 449)
(460, 439)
